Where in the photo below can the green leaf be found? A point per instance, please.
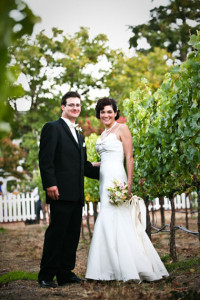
(175, 69)
(197, 140)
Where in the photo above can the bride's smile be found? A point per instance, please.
(107, 116)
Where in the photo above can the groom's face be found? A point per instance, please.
(72, 108)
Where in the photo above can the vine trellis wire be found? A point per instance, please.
(162, 229)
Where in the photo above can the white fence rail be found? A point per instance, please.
(21, 207)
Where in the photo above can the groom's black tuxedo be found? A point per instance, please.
(63, 163)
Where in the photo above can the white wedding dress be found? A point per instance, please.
(120, 248)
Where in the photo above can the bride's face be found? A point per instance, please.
(107, 115)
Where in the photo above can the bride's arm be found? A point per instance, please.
(126, 139)
(96, 164)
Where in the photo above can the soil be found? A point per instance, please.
(21, 249)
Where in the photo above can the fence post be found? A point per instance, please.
(19, 212)
(1, 209)
(27, 201)
(5, 209)
(32, 200)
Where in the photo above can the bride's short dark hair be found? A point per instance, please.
(101, 103)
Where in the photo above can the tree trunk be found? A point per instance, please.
(45, 212)
(88, 221)
(162, 212)
(172, 231)
(95, 211)
(191, 206)
(152, 212)
(198, 195)
(186, 213)
(148, 229)
(82, 230)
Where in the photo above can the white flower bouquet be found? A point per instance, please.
(118, 194)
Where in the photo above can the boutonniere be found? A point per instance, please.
(79, 129)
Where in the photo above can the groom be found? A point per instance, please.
(63, 164)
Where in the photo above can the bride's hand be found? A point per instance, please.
(96, 164)
(129, 192)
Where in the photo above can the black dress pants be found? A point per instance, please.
(61, 241)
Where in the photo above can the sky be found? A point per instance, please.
(110, 17)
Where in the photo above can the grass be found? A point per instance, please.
(179, 266)
(184, 265)
(187, 295)
(166, 258)
(18, 275)
(3, 230)
(41, 229)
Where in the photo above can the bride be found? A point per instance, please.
(120, 248)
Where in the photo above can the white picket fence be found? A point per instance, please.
(21, 207)
(17, 207)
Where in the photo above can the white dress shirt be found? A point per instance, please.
(70, 124)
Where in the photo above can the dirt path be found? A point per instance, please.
(21, 248)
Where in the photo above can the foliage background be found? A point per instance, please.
(164, 134)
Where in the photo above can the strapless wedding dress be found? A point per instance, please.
(120, 248)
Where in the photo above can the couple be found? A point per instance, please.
(120, 248)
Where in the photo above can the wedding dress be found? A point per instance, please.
(120, 248)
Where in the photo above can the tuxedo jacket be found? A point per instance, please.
(63, 161)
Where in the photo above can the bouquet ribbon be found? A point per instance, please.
(138, 212)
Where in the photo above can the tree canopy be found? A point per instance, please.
(16, 19)
(126, 72)
(165, 128)
(169, 28)
(49, 66)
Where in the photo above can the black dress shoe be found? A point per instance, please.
(47, 284)
(71, 279)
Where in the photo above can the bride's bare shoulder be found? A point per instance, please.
(123, 127)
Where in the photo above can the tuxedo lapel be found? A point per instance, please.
(79, 139)
(68, 131)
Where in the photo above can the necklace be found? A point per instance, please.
(106, 132)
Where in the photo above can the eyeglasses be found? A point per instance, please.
(72, 105)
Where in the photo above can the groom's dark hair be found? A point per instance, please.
(70, 94)
(101, 103)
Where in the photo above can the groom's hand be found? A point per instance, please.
(52, 192)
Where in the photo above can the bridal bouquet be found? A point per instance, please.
(118, 194)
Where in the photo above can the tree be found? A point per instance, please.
(126, 72)
(11, 159)
(16, 19)
(169, 28)
(91, 186)
(166, 137)
(49, 64)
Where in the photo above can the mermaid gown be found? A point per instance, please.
(120, 248)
